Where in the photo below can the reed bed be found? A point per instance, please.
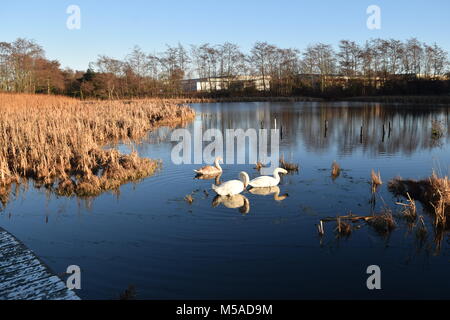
(59, 142)
(433, 193)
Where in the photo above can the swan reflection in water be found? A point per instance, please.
(233, 202)
(215, 177)
(269, 191)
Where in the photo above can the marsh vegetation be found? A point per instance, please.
(59, 142)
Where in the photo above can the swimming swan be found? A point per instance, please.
(210, 170)
(266, 181)
(233, 187)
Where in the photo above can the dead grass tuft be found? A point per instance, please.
(433, 193)
(383, 223)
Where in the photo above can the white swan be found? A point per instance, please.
(266, 181)
(233, 187)
(210, 170)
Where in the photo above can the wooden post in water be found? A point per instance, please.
(384, 132)
(326, 128)
(361, 134)
(390, 129)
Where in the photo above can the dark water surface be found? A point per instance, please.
(149, 237)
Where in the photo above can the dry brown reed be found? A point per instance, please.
(383, 223)
(59, 142)
(376, 180)
(409, 211)
(433, 193)
(343, 228)
(292, 167)
(259, 165)
(421, 231)
(335, 170)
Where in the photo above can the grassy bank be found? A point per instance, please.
(58, 142)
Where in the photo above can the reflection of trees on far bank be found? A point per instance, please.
(370, 128)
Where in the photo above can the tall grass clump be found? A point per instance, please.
(433, 193)
(58, 142)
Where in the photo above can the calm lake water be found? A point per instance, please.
(149, 237)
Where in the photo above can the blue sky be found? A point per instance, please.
(114, 27)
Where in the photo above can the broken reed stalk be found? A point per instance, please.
(421, 231)
(343, 228)
(409, 209)
(58, 142)
(376, 180)
(321, 229)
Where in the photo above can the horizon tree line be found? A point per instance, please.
(377, 66)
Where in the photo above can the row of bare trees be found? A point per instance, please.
(353, 68)
(24, 68)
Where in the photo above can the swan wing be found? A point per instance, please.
(229, 188)
(208, 170)
(263, 182)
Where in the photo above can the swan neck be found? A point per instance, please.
(245, 179)
(276, 175)
(217, 164)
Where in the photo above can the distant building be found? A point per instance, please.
(226, 83)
